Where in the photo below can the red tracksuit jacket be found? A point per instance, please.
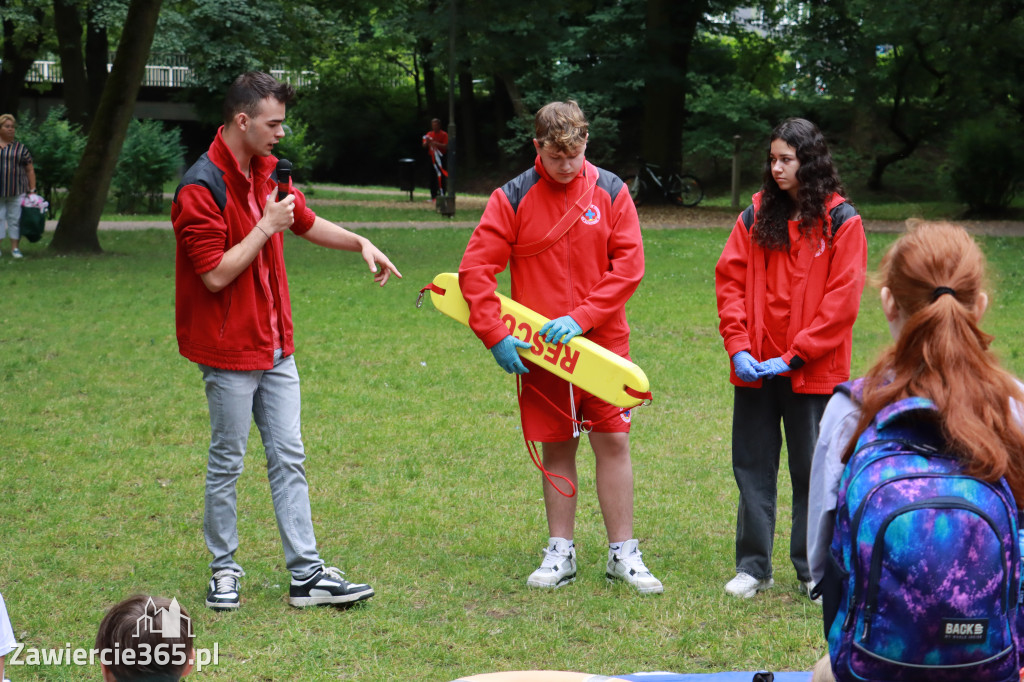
(826, 291)
(589, 273)
(229, 329)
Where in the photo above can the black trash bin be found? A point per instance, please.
(407, 176)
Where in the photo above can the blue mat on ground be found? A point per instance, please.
(713, 677)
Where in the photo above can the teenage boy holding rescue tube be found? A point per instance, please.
(571, 235)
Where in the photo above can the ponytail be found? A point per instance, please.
(935, 274)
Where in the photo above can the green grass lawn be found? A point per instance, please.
(420, 481)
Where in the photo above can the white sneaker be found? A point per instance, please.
(746, 586)
(17, 253)
(628, 565)
(806, 587)
(558, 567)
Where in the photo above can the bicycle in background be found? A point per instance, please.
(681, 190)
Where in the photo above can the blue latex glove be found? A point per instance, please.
(505, 353)
(560, 330)
(770, 368)
(743, 362)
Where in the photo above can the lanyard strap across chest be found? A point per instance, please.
(568, 219)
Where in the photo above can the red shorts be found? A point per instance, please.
(548, 421)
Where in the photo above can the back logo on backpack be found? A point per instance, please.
(959, 631)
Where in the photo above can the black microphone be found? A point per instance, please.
(284, 177)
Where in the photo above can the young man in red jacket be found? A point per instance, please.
(581, 277)
(234, 320)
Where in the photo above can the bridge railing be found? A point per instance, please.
(163, 71)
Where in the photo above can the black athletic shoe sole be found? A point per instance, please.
(335, 599)
(222, 606)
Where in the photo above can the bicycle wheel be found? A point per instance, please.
(685, 190)
(637, 188)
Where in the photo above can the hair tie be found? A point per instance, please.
(939, 291)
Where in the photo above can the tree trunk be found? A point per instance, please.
(97, 51)
(514, 96)
(420, 114)
(468, 142)
(910, 143)
(883, 161)
(68, 26)
(671, 27)
(78, 226)
(17, 60)
(424, 47)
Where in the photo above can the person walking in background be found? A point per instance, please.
(581, 278)
(435, 141)
(788, 285)
(234, 319)
(17, 178)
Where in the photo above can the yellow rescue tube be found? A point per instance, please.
(538, 676)
(595, 369)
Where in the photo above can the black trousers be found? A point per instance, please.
(756, 450)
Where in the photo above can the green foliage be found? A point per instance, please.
(363, 111)
(582, 51)
(735, 90)
(986, 162)
(56, 147)
(150, 156)
(893, 79)
(224, 38)
(911, 76)
(298, 147)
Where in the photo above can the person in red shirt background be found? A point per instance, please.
(579, 273)
(435, 141)
(788, 284)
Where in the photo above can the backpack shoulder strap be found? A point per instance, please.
(747, 217)
(854, 390)
(912, 406)
(839, 216)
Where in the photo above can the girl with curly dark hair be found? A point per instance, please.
(788, 284)
(799, 178)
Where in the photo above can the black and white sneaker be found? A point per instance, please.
(223, 592)
(327, 586)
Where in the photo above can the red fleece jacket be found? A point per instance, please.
(588, 274)
(231, 328)
(826, 291)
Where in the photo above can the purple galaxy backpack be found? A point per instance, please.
(927, 556)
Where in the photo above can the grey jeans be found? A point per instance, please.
(271, 397)
(756, 449)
